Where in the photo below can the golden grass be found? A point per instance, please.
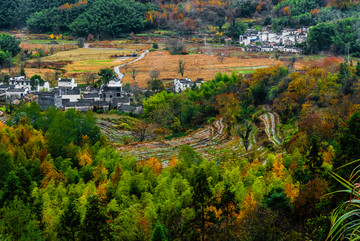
(87, 60)
(196, 66)
(30, 72)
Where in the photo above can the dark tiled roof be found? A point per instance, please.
(101, 103)
(16, 90)
(91, 95)
(47, 93)
(70, 104)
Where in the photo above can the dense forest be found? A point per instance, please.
(118, 18)
(63, 180)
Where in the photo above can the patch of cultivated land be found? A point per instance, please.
(87, 60)
(44, 73)
(196, 66)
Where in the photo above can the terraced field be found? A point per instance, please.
(208, 140)
(271, 120)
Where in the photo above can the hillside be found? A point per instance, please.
(119, 18)
(178, 120)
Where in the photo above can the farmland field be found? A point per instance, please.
(196, 66)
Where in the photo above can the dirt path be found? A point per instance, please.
(117, 68)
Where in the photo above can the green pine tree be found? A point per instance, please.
(158, 233)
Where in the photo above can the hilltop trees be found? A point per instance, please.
(10, 44)
(100, 18)
(106, 75)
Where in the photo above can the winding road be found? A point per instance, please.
(117, 68)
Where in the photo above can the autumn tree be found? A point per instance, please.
(181, 67)
(140, 131)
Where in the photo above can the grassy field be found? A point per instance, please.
(45, 41)
(196, 66)
(86, 60)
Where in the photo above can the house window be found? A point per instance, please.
(117, 94)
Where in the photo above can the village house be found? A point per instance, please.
(134, 109)
(268, 38)
(91, 96)
(102, 105)
(67, 83)
(80, 106)
(253, 48)
(291, 49)
(49, 99)
(116, 102)
(111, 90)
(16, 93)
(20, 82)
(182, 84)
(2, 94)
(43, 87)
(266, 48)
(70, 94)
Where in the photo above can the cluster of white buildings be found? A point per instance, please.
(68, 95)
(268, 41)
(19, 87)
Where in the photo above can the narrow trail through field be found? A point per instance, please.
(117, 68)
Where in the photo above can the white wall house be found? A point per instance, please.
(182, 84)
(20, 82)
(67, 83)
(292, 49)
(267, 48)
(44, 87)
(16, 93)
(115, 83)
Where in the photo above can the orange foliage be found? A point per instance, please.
(329, 155)
(101, 191)
(69, 6)
(51, 174)
(117, 173)
(84, 157)
(344, 4)
(153, 163)
(291, 191)
(278, 167)
(173, 162)
(287, 11)
(314, 12)
(329, 64)
(100, 173)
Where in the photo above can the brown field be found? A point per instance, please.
(85, 61)
(196, 66)
(44, 73)
(47, 48)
